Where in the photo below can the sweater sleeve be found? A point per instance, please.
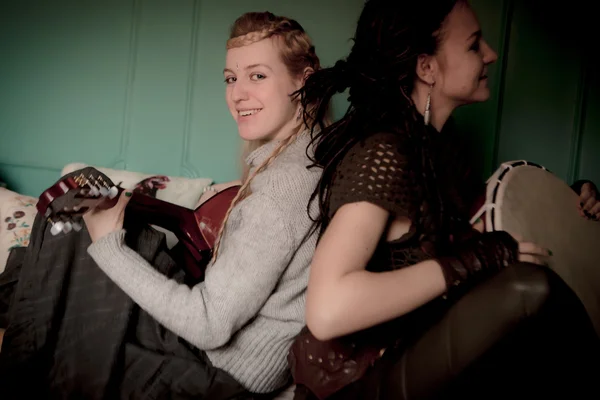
(254, 254)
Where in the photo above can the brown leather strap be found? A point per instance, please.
(480, 255)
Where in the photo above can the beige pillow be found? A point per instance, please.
(17, 213)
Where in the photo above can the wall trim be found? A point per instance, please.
(579, 115)
(506, 26)
(30, 166)
(120, 161)
(188, 169)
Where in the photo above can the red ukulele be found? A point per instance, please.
(197, 230)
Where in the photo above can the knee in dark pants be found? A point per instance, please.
(522, 333)
(548, 301)
(547, 344)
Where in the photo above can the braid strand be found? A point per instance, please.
(244, 189)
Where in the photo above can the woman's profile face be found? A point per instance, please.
(463, 59)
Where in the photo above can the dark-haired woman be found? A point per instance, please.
(406, 299)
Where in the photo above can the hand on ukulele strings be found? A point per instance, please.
(207, 193)
(213, 190)
(101, 222)
(589, 206)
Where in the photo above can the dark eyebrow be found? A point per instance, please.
(476, 34)
(250, 67)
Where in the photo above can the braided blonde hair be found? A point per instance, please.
(297, 53)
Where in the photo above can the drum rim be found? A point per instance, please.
(495, 191)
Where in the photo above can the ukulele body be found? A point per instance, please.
(64, 203)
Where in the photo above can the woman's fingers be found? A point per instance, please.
(532, 259)
(533, 253)
(534, 249)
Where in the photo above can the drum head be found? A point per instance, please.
(540, 207)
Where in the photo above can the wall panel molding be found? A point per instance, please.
(25, 178)
(579, 115)
(188, 169)
(503, 51)
(120, 160)
(31, 166)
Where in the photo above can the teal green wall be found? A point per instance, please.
(134, 84)
(137, 84)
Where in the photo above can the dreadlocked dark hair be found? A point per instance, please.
(380, 72)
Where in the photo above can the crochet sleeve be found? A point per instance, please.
(376, 170)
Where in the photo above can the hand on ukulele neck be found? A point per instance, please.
(65, 203)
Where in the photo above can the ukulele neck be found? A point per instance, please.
(157, 212)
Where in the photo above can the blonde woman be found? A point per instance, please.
(135, 330)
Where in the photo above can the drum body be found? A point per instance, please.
(526, 199)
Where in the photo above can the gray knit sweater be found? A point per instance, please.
(251, 304)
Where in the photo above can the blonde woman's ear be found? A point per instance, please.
(307, 72)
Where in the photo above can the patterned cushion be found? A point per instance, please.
(17, 213)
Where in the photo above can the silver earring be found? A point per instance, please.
(299, 114)
(428, 106)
